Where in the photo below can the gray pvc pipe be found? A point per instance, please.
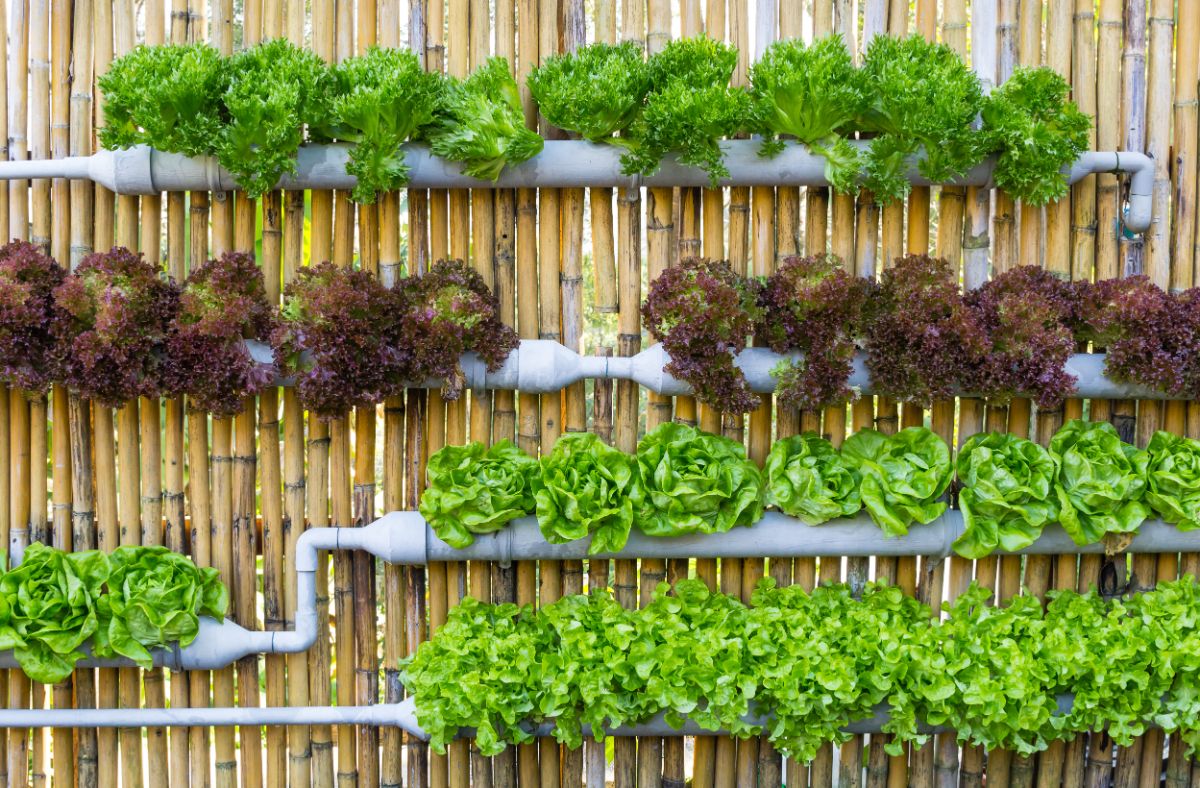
(562, 163)
(541, 366)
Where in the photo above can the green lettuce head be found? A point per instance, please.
(587, 487)
(1007, 496)
(1174, 480)
(807, 478)
(155, 598)
(1100, 481)
(48, 608)
(476, 490)
(696, 482)
(903, 476)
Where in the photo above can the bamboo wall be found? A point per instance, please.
(567, 265)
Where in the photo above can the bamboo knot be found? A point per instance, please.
(551, 335)
(148, 499)
(319, 442)
(300, 485)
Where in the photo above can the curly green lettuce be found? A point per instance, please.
(1100, 481)
(1007, 495)
(696, 483)
(1037, 130)
(384, 98)
(155, 599)
(1173, 476)
(807, 478)
(595, 91)
(586, 487)
(812, 93)
(474, 490)
(480, 123)
(48, 608)
(903, 476)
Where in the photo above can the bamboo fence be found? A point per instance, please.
(566, 264)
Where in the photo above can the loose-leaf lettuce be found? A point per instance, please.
(1037, 130)
(168, 97)
(480, 123)
(903, 476)
(812, 93)
(1100, 481)
(384, 98)
(474, 489)
(155, 598)
(595, 91)
(807, 478)
(696, 482)
(1173, 490)
(587, 487)
(48, 608)
(1007, 495)
(28, 352)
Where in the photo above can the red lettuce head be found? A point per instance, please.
(28, 278)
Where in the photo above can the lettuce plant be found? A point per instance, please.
(1038, 132)
(1173, 479)
(807, 478)
(695, 482)
(922, 339)
(338, 338)
(703, 312)
(114, 317)
(812, 306)
(168, 97)
(383, 99)
(479, 122)
(1100, 481)
(1028, 316)
(689, 108)
(154, 600)
(223, 301)
(596, 91)
(274, 90)
(587, 487)
(474, 489)
(48, 608)
(28, 279)
(921, 98)
(447, 311)
(814, 94)
(1007, 494)
(903, 476)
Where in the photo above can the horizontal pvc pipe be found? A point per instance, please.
(562, 163)
(539, 366)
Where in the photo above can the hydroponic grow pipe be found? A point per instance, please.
(540, 366)
(561, 164)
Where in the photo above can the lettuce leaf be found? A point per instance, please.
(807, 478)
(1173, 475)
(477, 490)
(595, 91)
(1007, 495)
(1100, 481)
(903, 476)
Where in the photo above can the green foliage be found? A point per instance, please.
(384, 98)
(922, 97)
(595, 91)
(903, 476)
(165, 96)
(587, 487)
(1100, 481)
(797, 666)
(1173, 489)
(48, 609)
(1037, 130)
(696, 482)
(477, 490)
(155, 598)
(1007, 496)
(689, 108)
(813, 93)
(807, 478)
(275, 90)
(479, 123)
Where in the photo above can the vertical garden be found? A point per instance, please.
(623, 392)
